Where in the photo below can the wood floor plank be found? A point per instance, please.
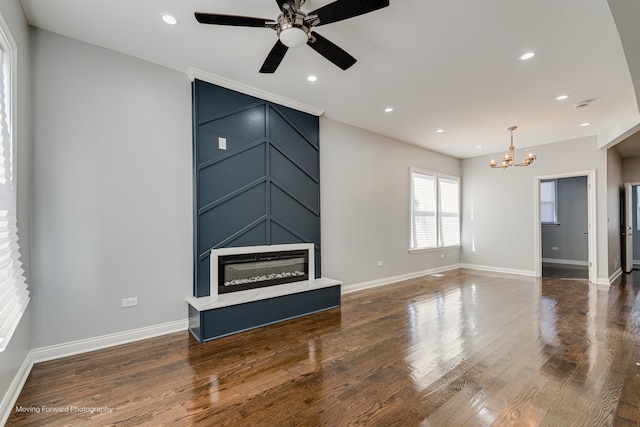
(470, 348)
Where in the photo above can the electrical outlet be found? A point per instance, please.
(441, 256)
(222, 143)
(554, 248)
(129, 302)
(379, 264)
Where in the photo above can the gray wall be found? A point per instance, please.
(614, 183)
(631, 169)
(112, 201)
(365, 191)
(568, 236)
(112, 191)
(15, 354)
(498, 205)
(631, 174)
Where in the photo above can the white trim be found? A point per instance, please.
(604, 283)
(614, 276)
(250, 295)
(564, 261)
(11, 396)
(59, 351)
(354, 287)
(592, 220)
(493, 269)
(195, 73)
(260, 293)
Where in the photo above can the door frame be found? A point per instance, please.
(591, 220)
(628, 209)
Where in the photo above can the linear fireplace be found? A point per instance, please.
(261, 298)
(251, 267)
(257, 270)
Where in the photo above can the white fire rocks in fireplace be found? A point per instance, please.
(249, 267)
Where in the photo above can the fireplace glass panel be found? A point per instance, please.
(249, 271)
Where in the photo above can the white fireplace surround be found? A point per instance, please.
(216, 300)
(216, 253)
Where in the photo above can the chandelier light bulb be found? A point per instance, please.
(508, 158)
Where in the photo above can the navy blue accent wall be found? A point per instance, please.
(264, 188)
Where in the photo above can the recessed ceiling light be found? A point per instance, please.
(169, 19)
(478, 146)
(527, 55)
(312, 78)
(439, 130)
(388, 110)
(561, 97)
(585, 124)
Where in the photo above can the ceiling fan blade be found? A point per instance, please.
(331, 51)
(274, 58)
(238, 21)
(345, 9)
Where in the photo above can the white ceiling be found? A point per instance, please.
(440, 64)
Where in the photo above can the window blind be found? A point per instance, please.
(435, 211)
(449, 212)
(423, 218)
(14, 295)
(548, 205)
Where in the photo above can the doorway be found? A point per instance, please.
(630, 220)
(564, 214)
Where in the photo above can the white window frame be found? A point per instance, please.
(437, 209)
(14, 294)
(553, 203)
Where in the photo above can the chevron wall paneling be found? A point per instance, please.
(256, 172)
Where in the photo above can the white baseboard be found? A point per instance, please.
(604, 283)
(346, 289)
(11, 396)
(565, 261)
(58, 351)
(492, 269)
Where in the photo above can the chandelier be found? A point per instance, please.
(507, 160)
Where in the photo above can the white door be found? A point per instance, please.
(628, 227)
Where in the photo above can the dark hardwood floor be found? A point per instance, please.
(565, 271)
(470, 348)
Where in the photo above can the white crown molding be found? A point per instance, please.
(195, 73)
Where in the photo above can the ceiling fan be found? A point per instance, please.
(295, 28)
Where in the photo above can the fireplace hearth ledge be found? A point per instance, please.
(214, 317)
(219, 315)
(251, 295)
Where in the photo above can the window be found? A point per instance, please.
(435, 210)
(549, 201)
(14, 295)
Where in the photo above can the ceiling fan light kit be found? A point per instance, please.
(294, 28)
